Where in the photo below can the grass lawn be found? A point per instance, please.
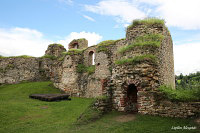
(110, 123)
(20, 114)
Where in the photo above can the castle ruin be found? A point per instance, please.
(127, 71)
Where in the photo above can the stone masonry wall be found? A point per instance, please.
(164, 53)
(157, 104)
(15, 70)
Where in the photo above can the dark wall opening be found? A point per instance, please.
(91, 58)
(75, 46)
(131, 100)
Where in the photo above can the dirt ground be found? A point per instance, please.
(125, 118)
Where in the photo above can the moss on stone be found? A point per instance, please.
(102, 46)
(10, 66)
(56, 44)
(136, 59)
(52, 57)
(73, 52)
(153, 40)
(147, 21)
(20, 56)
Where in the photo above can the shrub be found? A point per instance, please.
(82, 69)
(52, 57)
(102, 46)
(180, 94)
(153, 40)
(91, 69)
(136, 59)
(147, 21)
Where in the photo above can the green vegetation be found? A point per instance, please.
(20, 114)
(10, 66)
(52, 57)
(187, 88)
(102, 97)
(181, 94)
(102, 46)
(112, 123)
(89, 115)
(153, 40)
(137, 59)
(188, 81)
(54, 44)
(147, 21)
(20, 56)
(73, 52)
(82, 69)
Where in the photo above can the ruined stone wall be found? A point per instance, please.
(15, 70)
(78, 44)
(164, 53)
(69, 77)
(157, 104)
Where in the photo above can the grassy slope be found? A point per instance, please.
(20, 114)
(141, 124)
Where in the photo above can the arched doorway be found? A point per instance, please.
(131, 99)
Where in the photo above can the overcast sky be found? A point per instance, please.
(29, 26)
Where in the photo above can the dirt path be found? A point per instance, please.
(125, 118)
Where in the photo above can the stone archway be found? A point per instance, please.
(131, 98)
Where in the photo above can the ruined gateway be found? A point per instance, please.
(128, 72)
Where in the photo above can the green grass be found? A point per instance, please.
(102, 46)
(181, 94)
(136, 59)
(84, 69)
(141, 124)
(52, 57)
(73, 52)
(20, 114)
(20, 56)
(89, 115)
(153, 40)
(56, 44)
(147, 21)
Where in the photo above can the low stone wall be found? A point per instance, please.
(104, 105)
(177, 109)
(154, 103)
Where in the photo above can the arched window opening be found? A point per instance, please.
(75, 46)
(91, 58)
